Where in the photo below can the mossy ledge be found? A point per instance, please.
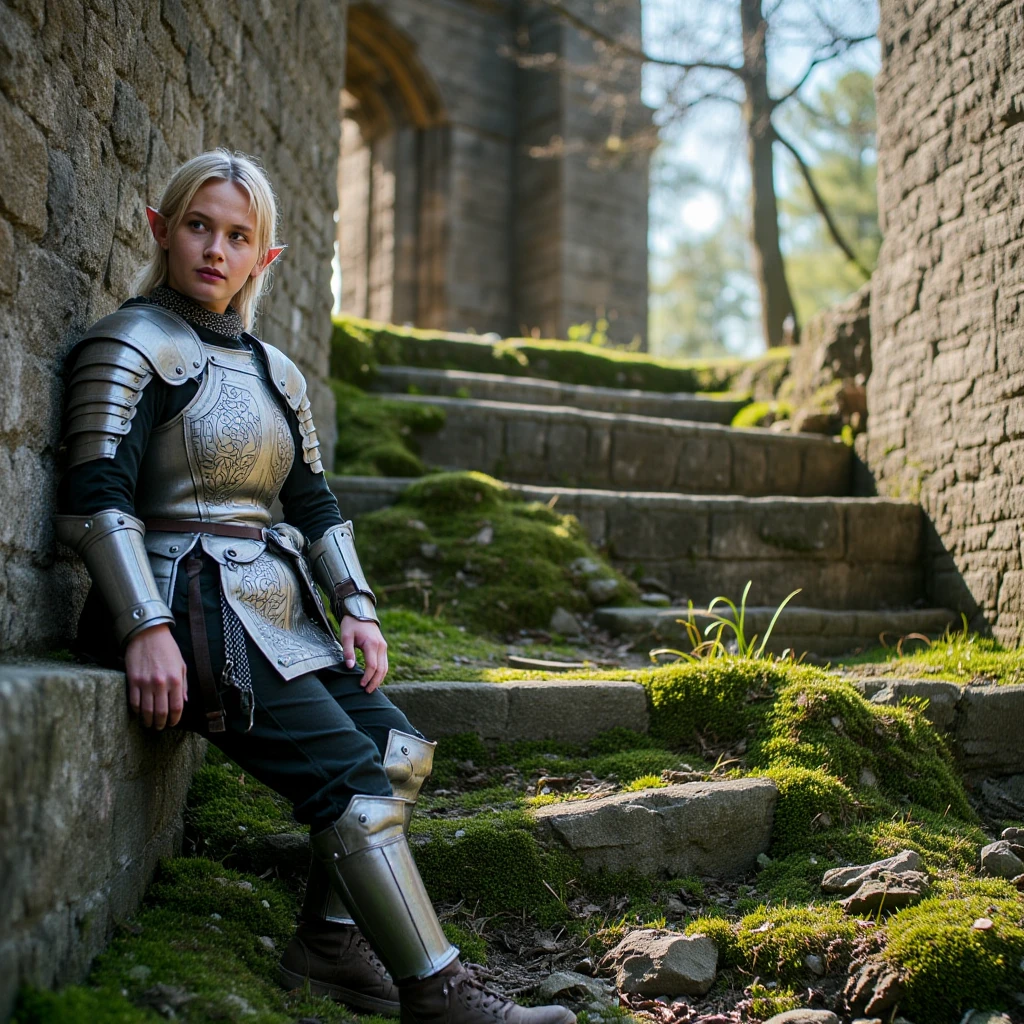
(359, 346)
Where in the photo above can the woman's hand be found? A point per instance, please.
(368, 638)
(157, 687)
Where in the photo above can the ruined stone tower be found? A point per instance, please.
(493, 172)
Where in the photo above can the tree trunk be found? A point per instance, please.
(776, 301)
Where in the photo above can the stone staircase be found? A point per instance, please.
(685, 502)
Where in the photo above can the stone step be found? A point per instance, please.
(572, 711)
(817, 631)
(498, 387)
(842, 552)
(580, 448)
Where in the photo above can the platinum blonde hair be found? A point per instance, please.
(217, 164)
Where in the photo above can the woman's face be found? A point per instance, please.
(212, 252)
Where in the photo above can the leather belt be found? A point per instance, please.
(195, 526)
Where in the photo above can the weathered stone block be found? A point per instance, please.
(77, 775)
(574, 711)
(23, 169)
(988, 729)
(702, 828)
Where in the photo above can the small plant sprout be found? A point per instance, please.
(711, 645)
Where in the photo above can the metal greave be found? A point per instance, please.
(368, 861)
(407, 761)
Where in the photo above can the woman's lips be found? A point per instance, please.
(210, 275)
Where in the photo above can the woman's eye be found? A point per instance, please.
(196, 224)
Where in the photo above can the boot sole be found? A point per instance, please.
(352, 999)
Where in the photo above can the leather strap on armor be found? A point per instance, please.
(111, 545)
(368, 860)
(215, 717)
(336, 568)
(195, 526)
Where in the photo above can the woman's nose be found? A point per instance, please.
(215, 246)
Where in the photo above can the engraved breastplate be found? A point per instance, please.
(225, 457)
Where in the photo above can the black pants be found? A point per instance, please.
(317, 740)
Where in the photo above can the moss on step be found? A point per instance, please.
(458, 541)
(961, 657)
(359, 346)
(376, 436)
(202, 941)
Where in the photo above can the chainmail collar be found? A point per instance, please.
(228, 323)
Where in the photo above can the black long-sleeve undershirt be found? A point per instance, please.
(88, 488)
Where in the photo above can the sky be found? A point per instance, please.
(710, 139)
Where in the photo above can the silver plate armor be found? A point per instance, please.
(111, 545)
(369, 862)
(336, 568)
(407, 762)
(223, 459)
(128, 348)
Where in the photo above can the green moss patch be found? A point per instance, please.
(376, 436)
(458, 542)
(951, 963)
(359, 346)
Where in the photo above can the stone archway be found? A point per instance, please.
(392, 178)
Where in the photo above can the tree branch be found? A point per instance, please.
(631, 51)
(822, 207)
(820, 59)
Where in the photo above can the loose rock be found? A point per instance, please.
(848, 880)
(887, 892)
(565, 623)
(985, 1017)
(601, 591)
(999, 860)
(653, 963)
(568, 986)
(804, 1017)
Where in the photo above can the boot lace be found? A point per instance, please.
(476, 994)
(366, 951)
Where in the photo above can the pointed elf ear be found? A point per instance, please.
(157, 224)
(272, 253)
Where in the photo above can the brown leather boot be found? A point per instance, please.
(337, 962)
(456, 995)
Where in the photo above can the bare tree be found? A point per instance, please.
(726, 51)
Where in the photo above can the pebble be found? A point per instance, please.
(804, 1017)
(814, 964)
(268, 943)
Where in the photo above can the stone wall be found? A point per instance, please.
(947, 312)
(99, 101)
(88, 803)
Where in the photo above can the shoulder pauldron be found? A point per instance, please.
(112, 364)
(287, 379)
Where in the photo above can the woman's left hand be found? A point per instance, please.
(368, 638)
